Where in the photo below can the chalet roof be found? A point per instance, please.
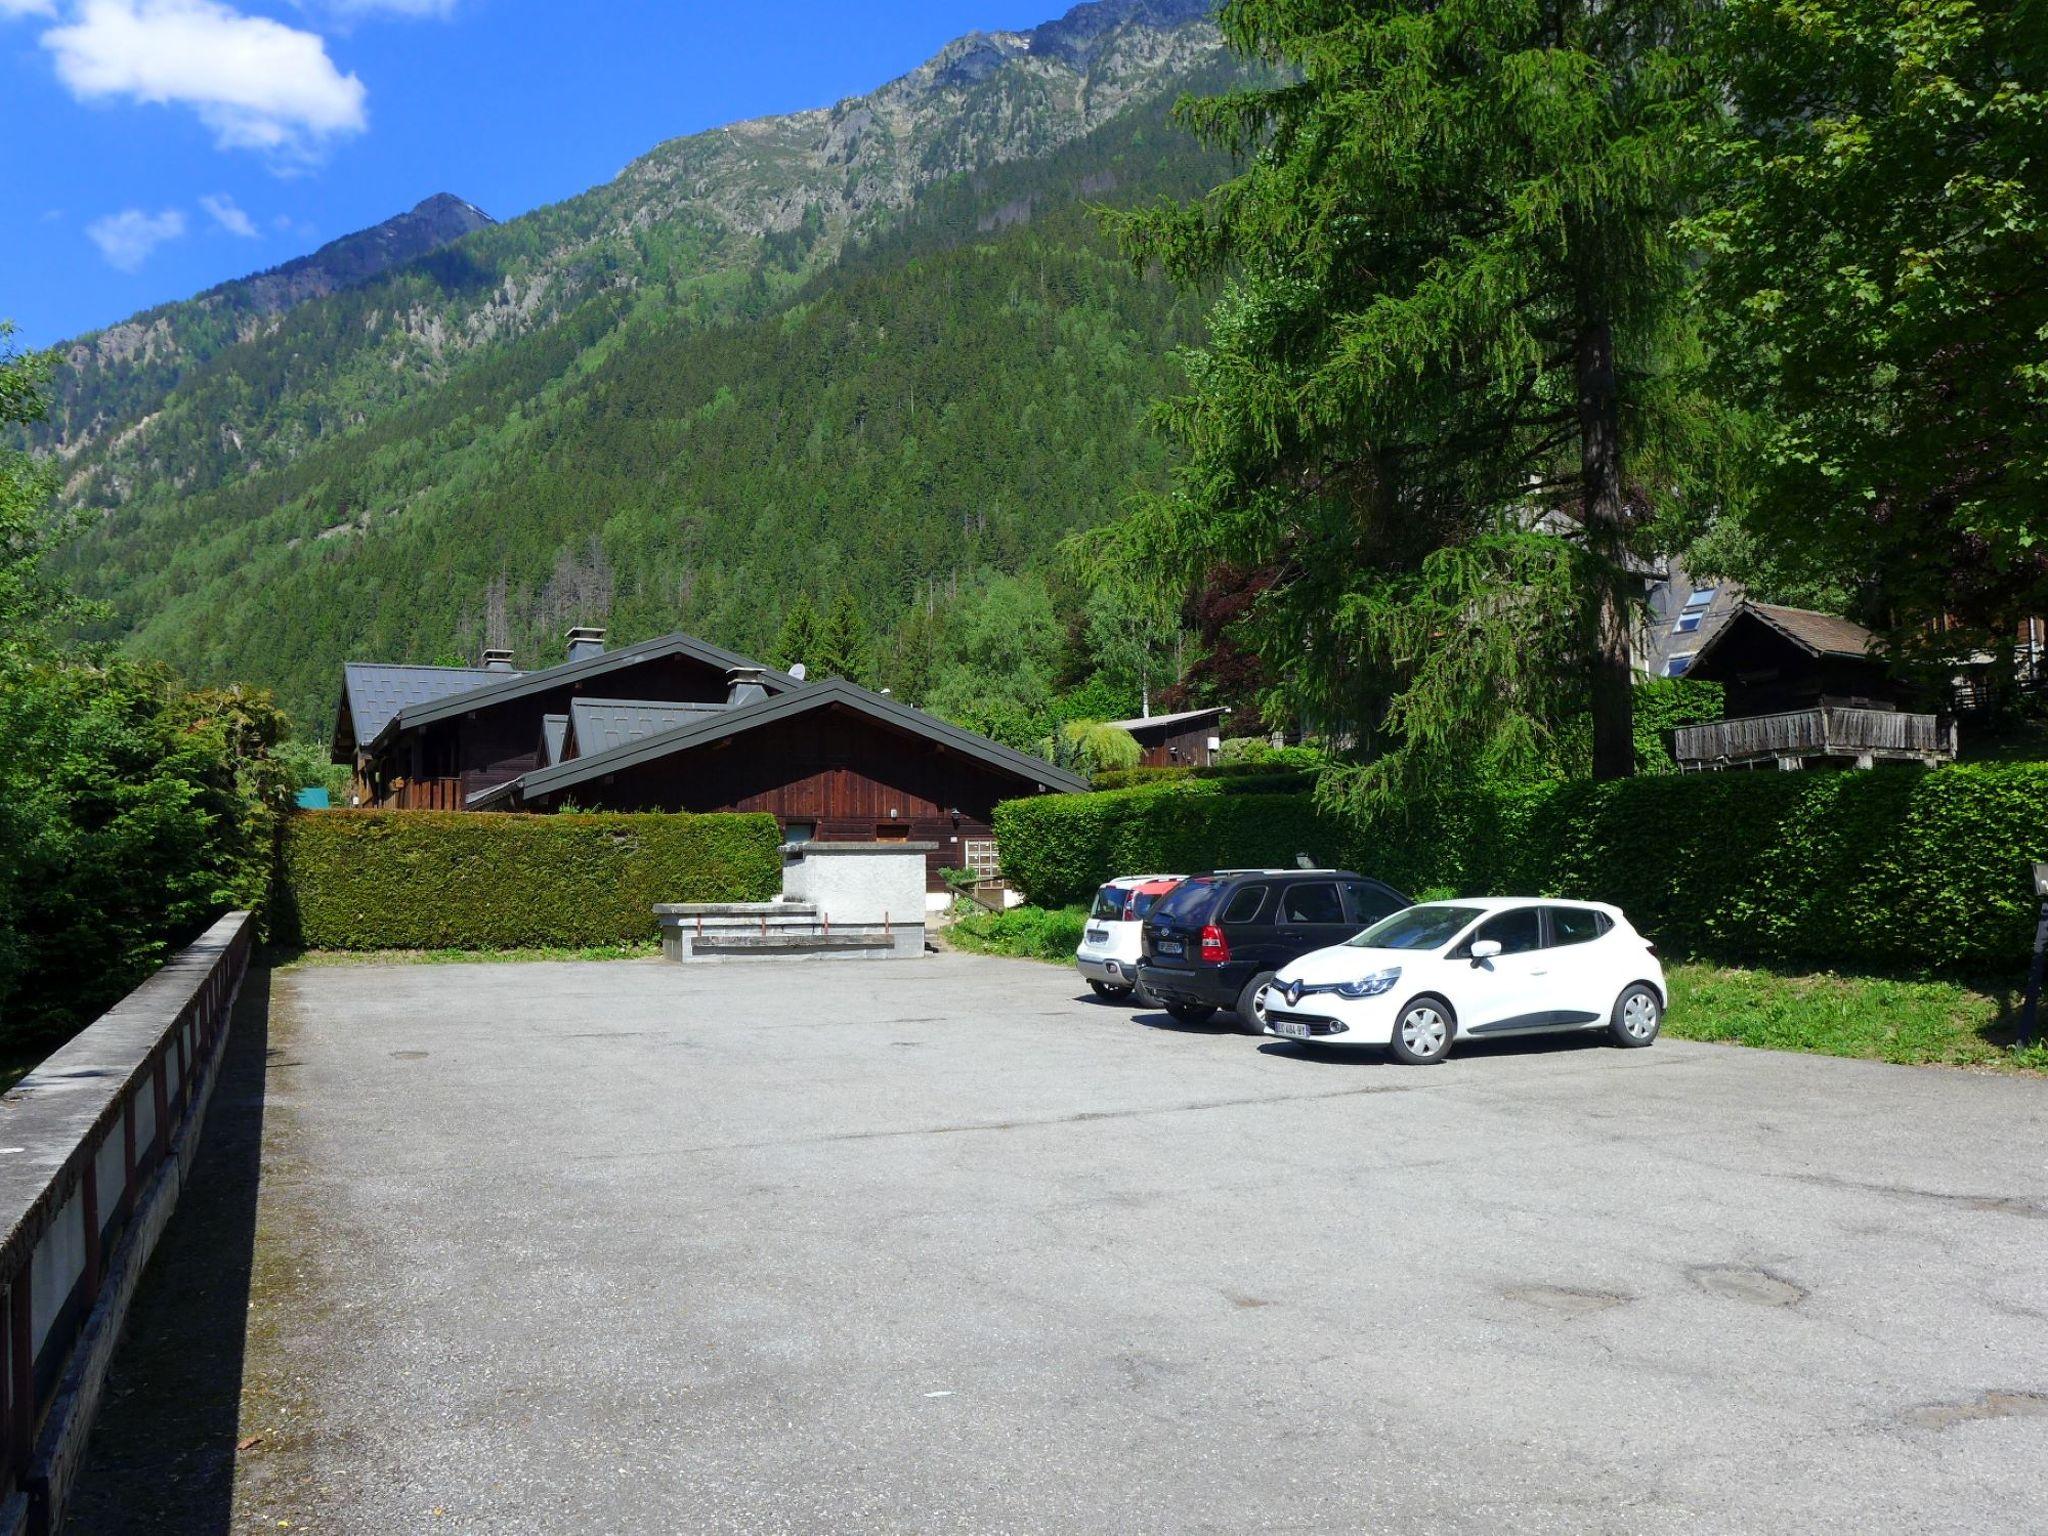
(601, 724)
(373, 693)
(1184, 717)
(723, 724)
(502, 687)
(554, 732)
(1818, 634)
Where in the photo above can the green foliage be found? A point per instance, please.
(1057, 849)
(1455, 302)
(1876, 241)
(427, 880)
(1093, 747)
(1888, 867)
(31, 602)
(1910, 1020)
(1662, 705)
(133, 812)
(798, 643)
(1027, 933)
(844, 649)
(1275, 768)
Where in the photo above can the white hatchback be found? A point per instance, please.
(1445, 971)
(1107, 956)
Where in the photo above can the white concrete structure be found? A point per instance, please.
(839, 900)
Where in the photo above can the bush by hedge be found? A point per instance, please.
(1890, 867)
(424, 880)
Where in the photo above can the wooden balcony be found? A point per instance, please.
(1828, 732)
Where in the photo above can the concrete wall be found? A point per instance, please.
(858, 882)
(99, 1136)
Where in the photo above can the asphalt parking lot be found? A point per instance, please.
(946, 1246)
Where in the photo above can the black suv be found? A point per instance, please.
(1215, 940)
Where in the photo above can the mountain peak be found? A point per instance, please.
(359, 257)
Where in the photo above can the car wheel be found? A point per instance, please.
(1422, 1034)
(1192, 1013)
(1638, 1016)
(1251, 1004)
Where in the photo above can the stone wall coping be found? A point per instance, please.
(816, 847)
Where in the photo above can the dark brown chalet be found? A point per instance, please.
(1178, 740)
(676, 725)
(1805, 689)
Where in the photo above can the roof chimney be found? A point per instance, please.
(585, 642)
(496, 660)
(745, 685)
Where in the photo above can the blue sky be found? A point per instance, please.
(155, 147)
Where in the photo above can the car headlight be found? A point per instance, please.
(1369, 986)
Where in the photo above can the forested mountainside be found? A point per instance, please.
(877, 350)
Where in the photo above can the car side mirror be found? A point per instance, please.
(1485, 949)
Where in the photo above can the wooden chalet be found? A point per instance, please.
(1805, 689)
(677, 725)
(1186, 739)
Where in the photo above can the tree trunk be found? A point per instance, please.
(1614, 745)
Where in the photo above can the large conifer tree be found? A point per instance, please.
(1439, 383)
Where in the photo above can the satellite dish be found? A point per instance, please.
(1303, 861)
(797, 671)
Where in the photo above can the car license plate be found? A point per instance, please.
(1170, 947)
(1294, 1029)
(1098, 935)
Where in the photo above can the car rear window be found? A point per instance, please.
(1313, 902)
(1109, 905)
(1143, 903)
(1188, 902)
(1577, 925)
(1416, 928)
(1247, 905)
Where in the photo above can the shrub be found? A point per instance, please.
(1030, 933)
(133, 812)
(1891, 867)
(426, 880)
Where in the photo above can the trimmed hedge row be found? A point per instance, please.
(427, 880)
(1889, 867)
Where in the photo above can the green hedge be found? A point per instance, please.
(1890, 867)
(424, 880)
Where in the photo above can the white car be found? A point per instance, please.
(1446, 971)
(1108, 955)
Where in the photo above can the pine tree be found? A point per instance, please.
(1442, 371)
(798, 643)
(843, 647)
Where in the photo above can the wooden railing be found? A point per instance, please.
(1829, 730)
(428, 795)
(97, 1139)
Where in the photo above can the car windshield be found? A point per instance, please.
(1143, 903)
(1109, 904)
(1416, 928)
(1188, 902)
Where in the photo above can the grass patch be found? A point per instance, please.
(301, 959)
(1914, 1021)
(1028, 933)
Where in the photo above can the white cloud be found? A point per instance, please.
(127, 238)
(257, 83)
(227, 213)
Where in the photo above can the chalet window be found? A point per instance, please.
(1676, 665)
(1695, 610)
(799, 831)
